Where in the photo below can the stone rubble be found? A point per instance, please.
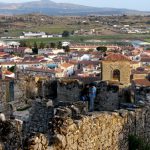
(73, 128)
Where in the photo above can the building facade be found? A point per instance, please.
(116, 67)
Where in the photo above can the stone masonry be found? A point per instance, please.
(102, 130)
(91, 131)
(68, 90)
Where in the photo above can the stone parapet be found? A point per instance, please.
(102, 130)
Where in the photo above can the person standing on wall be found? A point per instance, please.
(92, 95)
(84, 95)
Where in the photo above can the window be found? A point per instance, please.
(116, 75)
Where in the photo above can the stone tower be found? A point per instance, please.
(116, 67)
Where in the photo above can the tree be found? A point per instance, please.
(23, 44)
(66, 49)
(59, 46)
(52, 45)
(12, 69)
(35, 48)
(42, 45)
(72, 32)
(102, 48)
(28, 44)
(65, 33)
(6, 30)
(35, 45)
(47, 46)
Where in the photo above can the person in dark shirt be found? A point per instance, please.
(84, 96)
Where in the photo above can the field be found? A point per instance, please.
(147, 40)
(87, 39)
(13, 26)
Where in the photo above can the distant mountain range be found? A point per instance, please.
(51, 8)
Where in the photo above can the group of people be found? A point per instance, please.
(88, 93)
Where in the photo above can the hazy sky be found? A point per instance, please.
(131, 4)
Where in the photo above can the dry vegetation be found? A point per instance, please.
(15, 25)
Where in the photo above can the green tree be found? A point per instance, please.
(28, 44)
(23, 44)
(72, 32)
(65, 33)
(136, 143)
(66, 49)
(42, 45)
(52, 45)
(47, 46)
(12, 69)
(102, 48)
(35, 48)
(59, 46)
(35, 45)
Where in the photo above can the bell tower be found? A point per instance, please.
(116, 67)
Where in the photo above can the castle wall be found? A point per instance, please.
(107, 101)
(68, 91)
(103, 130)
(96, 131)
(40, 115)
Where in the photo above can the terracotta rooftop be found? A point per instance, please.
(142, 82)
(116, 57)
(145, 59)
(135, 62)
(140, 72)
(40, 70)
(66, 65)
(7, 72)
(89, 62)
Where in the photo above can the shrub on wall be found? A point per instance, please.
(136, 143)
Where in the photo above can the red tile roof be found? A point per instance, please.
(40, 70)
(7, 72)
(116, 57)
(145, 59)
(66, 65)
(142, 82)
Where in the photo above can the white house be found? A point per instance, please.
(13, 44)
(68, 68)
(2, 43)
(34, 34)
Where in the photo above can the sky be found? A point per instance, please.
(129, 4)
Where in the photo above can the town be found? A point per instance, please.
(36, 75)
(48, 67)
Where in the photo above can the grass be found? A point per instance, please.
(147, 40)
(50, 29)
(82, 39)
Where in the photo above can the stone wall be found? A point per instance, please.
(20, 90)
(68, 90)
(102, 130)
(36, 142)
(107, 101)
(108, 97)
(77, 131)
(47, 88)
(40, 115)
(10, 135)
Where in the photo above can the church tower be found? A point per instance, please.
(116, 67)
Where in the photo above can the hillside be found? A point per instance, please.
(51, 8)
